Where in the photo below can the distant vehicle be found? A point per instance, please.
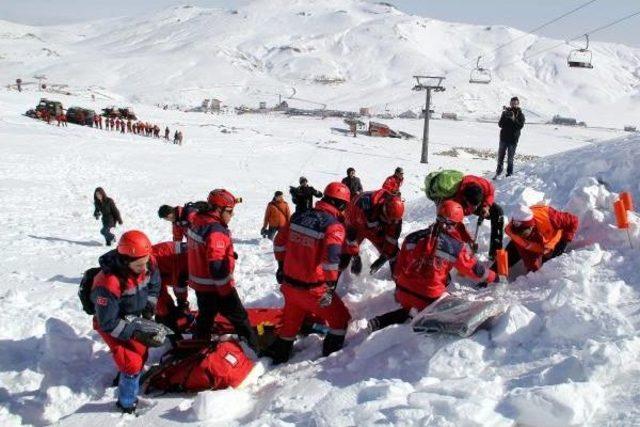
(80, 116)
(53, 107)
(119, 113)
(449, 116)
(629, 128)
(565, 121)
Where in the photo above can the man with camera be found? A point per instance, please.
(511, 122)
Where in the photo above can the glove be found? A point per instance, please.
(149, 333)
(377, 264)
(96, 217)
(263, 232)
(120, 222)
(560, 248)
(474, 247)
(183, 306)
(149, 310)
(235, 255)
(327, 298)
(344, 261)
(356, 265)
(481, 285)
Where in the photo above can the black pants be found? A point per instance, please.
(230, 306)
(395, 317)
(510, 150)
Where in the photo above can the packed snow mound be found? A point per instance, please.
(346, 54)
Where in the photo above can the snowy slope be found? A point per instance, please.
(565, 353)
(369, 51)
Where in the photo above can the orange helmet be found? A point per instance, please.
(338, 191)
(394, 208)
(134, 244)
(450, 211)
(222, 198)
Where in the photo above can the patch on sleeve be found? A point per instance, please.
(231, 359)
(103, 301)
(219, 244)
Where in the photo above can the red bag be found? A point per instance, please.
(196, 366)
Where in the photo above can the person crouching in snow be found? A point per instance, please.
(425, 260)
(125, 293)
(106, 207)
(308, 254)
(276, 216)
(538, 234)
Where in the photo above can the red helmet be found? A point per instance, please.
(338, 191)
(394, 208)
(450, 211)
(222, 198)
(134, 244)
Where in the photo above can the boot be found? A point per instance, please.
(128, 387)
(280, 351)
(332, 343)
(356, 265)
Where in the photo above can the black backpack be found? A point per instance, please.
(84, 293)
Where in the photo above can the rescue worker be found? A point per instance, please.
(538, 234)
(476, 195)
(211, 265)
(129, 125)
(353, 182)
(393, 183)
(179, 225)
(95, 121)
(106, 208)
(377, 217)
(308, 253)
(125, 293)
(166, 133)
(427, 257)
(276, 216)
(302, 196)
(100, 121)
(171, 258)
(112, 123)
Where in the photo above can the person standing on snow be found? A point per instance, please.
(125, 293)
(423, 265)
(276, 216)
(211, 265)
(106, 207)
(166, 133)
(308, 254)
(353, 183)
(179, 225)
(377, 217)
(302, 196)
(393, 183)
(476, 195)
(511, 123)
(538, 234)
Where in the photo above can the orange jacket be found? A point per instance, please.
(276, 215)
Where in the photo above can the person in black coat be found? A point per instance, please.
(106, 207)
(511, 123)
(353, 182)
(302, 196)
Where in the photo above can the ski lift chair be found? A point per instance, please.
(480, 75)
(580, 58)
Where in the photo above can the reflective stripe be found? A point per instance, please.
(119, 328)
(373, 224)
(329, 267)
(279, 248)
(307, 231)
(178, 248)
(444, 255)
(340, 332)
(195, 236)
(391, 240)
(208, 281)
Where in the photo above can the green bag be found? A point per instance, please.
(442, 185)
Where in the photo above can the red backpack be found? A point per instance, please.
(196, 365)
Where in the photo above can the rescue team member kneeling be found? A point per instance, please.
(425, 260)
(308, 253)
(124, 291)
(211, 262)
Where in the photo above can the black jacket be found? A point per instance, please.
(302, 197)
(109, 212)
(354, 184)
(510, 125)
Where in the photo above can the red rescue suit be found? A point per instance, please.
(427, 257)
(363, 220)
(308, 249)
(173, 266)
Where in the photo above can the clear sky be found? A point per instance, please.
(520, 14)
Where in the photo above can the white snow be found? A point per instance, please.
(565, 353)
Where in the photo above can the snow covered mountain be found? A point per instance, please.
(345, 54)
